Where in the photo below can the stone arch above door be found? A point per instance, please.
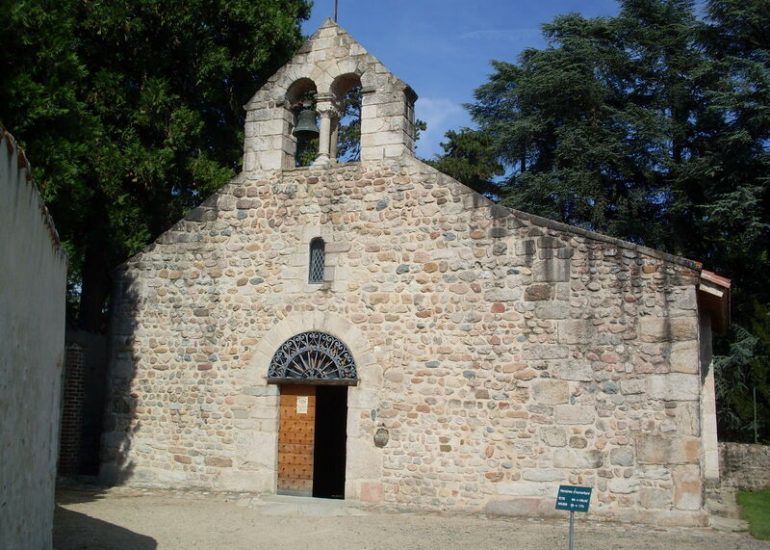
(257, 400)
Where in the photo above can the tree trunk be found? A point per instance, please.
(96, 284)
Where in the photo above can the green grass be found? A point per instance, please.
(755, 508)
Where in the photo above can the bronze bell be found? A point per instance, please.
(306, 126)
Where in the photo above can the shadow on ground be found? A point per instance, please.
(76, 531)
(69, 492)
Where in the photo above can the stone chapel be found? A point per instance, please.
(376, 331)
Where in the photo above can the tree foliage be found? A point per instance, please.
(469, 157)
(132, 112)
(742, 382)
(652, 126)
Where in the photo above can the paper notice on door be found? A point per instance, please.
(302, 404)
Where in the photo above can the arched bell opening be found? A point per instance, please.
(346, 131)
(302, 137)
(314, 370)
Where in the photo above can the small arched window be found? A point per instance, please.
(317, 260)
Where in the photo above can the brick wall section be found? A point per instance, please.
(72, 411)
(744, 466)
(83, 406)
(504, 353)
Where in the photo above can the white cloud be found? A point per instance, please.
(440, 114)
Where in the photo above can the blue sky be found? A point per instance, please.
(442, 48)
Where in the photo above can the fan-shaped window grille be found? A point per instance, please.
(313, 357)
(317, 260)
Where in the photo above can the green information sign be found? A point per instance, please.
(573, 499)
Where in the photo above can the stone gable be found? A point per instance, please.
(503, 354)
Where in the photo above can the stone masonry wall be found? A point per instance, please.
(505, 354)
(33, 272)
(744, 466)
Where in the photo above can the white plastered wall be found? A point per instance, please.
(33, 273)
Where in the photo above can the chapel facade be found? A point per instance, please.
(376, 331)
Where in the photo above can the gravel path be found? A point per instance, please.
(123, 520)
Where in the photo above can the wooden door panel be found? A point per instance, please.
(296, 437)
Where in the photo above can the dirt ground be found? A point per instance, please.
(123, 520)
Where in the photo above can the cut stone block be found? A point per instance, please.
(553, 436)
(575, 331)
(653, 498)
(668, 329)
(569, 458)
(674, 387)
(575, 414)
(623, 486)
(550, 392)
(685, 357)
(622, 456)
(688, 487)
(552, 270)
(666, 449)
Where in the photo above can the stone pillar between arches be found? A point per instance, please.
(326, 115)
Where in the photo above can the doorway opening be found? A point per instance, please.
(330, 440)
(312, 439)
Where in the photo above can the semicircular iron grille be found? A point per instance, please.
(313, 357)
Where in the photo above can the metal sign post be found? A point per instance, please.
(573, 499)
